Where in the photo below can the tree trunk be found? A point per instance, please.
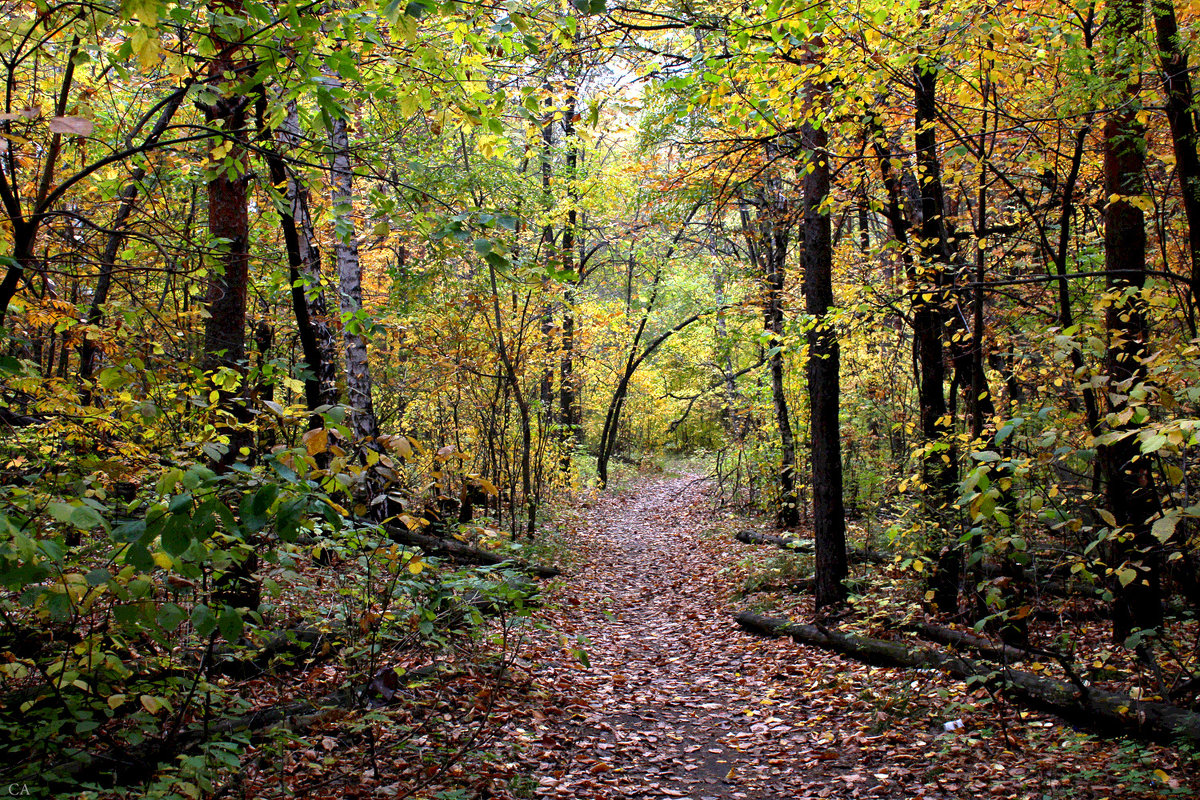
(829, 515)
(345, 254)
(1177, 86)
(930, 299)
(767, 239)
(229, 229)
(570, 412)
(1130, 491)
(317, 339)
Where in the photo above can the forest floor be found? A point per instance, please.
(632, 680)
(674, 700)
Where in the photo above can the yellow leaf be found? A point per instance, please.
(415, 566)
(316, 441)
(918, 565)
(150, 703)
(1162, 776)
(487, 486)
(115, 700)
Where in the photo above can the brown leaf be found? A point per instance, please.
(74, 126)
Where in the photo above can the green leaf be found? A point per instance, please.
(139, 557)
(264, 498)
(170, 616)
(287, 520)
(230, 624)
(176, 538)
(86, 518)
(418, 9)
(1154, 443)
(98, 576)
(61, 511)
(203, 620)
(130, 531)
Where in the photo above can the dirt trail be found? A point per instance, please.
(678, 702)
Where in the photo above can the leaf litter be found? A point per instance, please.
(635, 682)
(676, 701)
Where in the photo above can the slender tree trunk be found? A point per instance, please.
(1130, 489)
(546, 389)
(570, 412)
(733, 398)
(317, 340)
(1066, 317)
(25, 227)
(345, 254)
(824, 363)
(518, 394)
(608, 433)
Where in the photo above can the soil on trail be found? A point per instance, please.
(677, 701)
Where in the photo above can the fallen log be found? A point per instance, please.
(855, 554)
(1002, 653)
(1099, 710)
(463, 552)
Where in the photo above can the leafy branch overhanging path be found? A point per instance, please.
(677, 701)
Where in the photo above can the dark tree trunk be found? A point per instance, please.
(930, 301)
(546, 389)
(317, 341)
(570, 412)
(1129, 479)
(1177, 86)
(1106, 712)
(229, 230)
(1061, 254)
(829, 516)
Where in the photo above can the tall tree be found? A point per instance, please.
(931, 300)
(309, 305)
(349, 268)
(228, 209)
(1129, 478)
(1181, 117)
(823, 373)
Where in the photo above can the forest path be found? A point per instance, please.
(677, 701)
